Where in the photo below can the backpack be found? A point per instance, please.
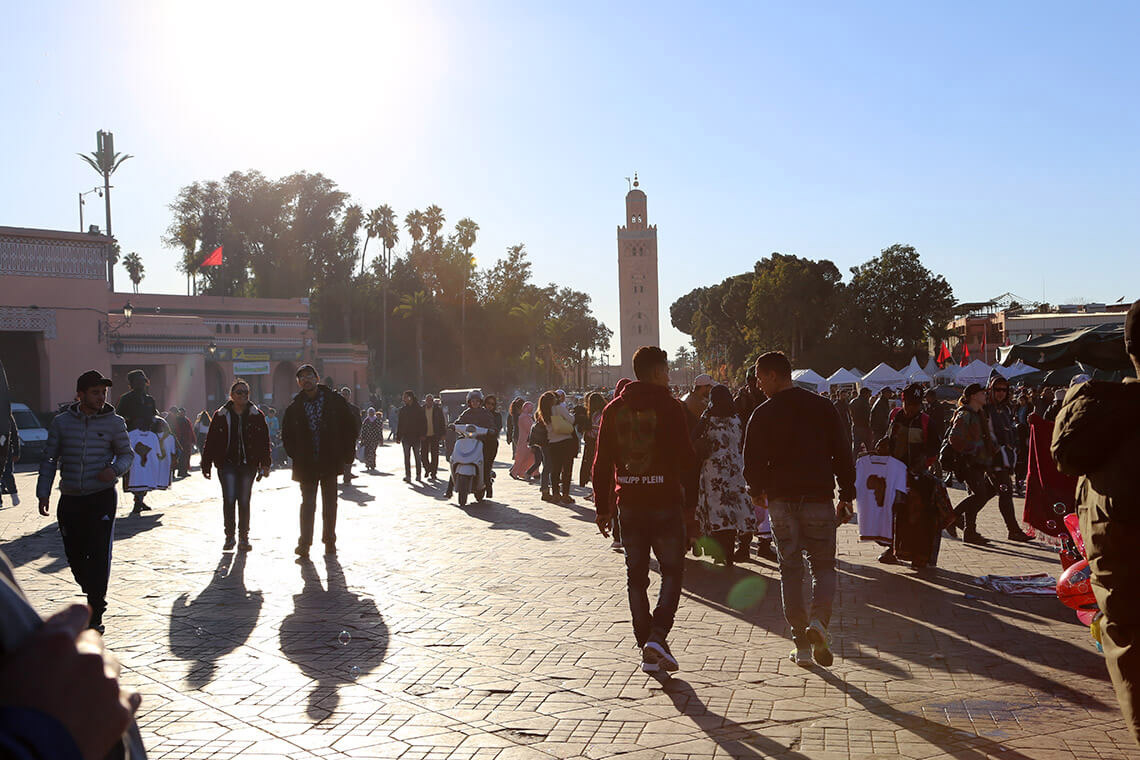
(538, 435)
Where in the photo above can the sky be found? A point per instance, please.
(1000, 139)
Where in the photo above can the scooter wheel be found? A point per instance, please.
(463, 487)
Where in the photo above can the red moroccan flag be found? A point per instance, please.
(965, 354)
(214, 259)
(943, 355)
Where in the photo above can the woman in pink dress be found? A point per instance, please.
(524, 456)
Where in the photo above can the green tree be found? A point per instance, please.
(896, 303)
(389, 232)
(465, 234)
(791, 306)
(533, 315)
(132, 262)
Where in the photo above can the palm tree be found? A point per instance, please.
(132, 262)
(414, 221)
(465, 231)
(389, 234)
(433, 219)
(533, 315)
(106, 161)
(416, 306)
(372, 228)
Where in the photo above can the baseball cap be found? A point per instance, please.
(703, 379)
(91, 378)
(971, 389)
(913, 393)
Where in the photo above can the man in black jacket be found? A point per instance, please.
(410, 429)
(319, 433)
(138, 408)
(1001, 421)
(795, 453)
(434, 427)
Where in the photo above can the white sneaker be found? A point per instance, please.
(802, 657)
(665, 658)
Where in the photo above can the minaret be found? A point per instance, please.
(637, 280)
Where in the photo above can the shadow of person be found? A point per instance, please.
(216, 622)
(333, 635)
(355, 495)
(962, 745)
(736, 739)
(503, 517)
(46, 541)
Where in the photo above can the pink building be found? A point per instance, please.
(58, 319)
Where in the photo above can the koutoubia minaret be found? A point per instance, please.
(637, 280)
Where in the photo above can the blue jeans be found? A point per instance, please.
(798, 527)
(237, 485)
(663, 531)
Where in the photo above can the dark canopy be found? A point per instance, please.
(1101, 347)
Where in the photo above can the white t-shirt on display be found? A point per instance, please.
(151, 468)
(878, 481)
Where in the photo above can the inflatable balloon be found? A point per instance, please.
(1074, 588)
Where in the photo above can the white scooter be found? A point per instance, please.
(467, 463)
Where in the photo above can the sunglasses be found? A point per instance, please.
(241, 393)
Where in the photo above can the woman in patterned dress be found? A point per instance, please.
(723, 506)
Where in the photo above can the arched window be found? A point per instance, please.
(227, 329)
(255, 329)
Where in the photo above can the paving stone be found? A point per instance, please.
(500, 632)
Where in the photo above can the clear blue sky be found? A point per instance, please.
(1001, 139)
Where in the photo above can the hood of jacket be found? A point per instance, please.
(1095, 420)
(642, 395)
(528, 408)
(73, 408)
(228, 408)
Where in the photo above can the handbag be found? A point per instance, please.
(561, 426)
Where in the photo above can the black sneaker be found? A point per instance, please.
(302, 552)
(665, 659)
(229, 544)
(650, 660)
(244, 545)
(975, 538)
(1020, 537)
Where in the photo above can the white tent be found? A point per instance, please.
(857, 372)
(844, 377)
(915, 374)
(809, 378)
(883, 376)
(976, 371)
(1014, 370)
(947, 376)
(931, 367)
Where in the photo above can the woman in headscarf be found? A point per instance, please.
(524, 454)
(723, 507)
(371, 434)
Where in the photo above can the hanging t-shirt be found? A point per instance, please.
(151, 468)
(878, 482)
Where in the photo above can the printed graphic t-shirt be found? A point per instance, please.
(878, 481)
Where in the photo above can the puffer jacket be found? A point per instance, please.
(971, 438)
(80, 447)
(1097, 437)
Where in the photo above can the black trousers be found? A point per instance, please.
(411, 447)
(328, 486)
(87, 524)
(429, 454)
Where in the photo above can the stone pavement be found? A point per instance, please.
(500, 632)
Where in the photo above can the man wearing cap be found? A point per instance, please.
(1097, 437)
(978, 463)
(860, 412)
(88, 444)
(698, 400)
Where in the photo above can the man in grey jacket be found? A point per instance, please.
(87, 442)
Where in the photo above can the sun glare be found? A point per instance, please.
(270, 71)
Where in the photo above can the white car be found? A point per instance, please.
(33, 435)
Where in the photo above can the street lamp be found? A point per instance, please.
(92, 190)
(111, 331)
(212, 349)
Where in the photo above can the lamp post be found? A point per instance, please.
(111, 332)
(92, 190)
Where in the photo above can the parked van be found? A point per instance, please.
(33, 435)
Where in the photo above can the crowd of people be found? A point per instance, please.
(713, 473)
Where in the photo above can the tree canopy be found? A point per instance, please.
(302, 236)
(886, 312)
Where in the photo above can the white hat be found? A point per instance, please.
(703, 379)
